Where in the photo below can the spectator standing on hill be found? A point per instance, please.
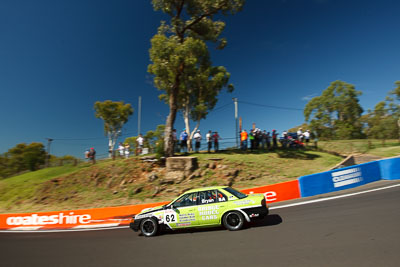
(87, 151)
(209, 141)
(252, 137)
(307, 137)
(268, 139)
(121, 149)
(92, 155)
(140, 142)
(197, 138)
(285, 139)
(183, 138)
(257, 138)
(243, 140)
(263, 139)
(216, 138)
(274, 138)
(127, 150)
(300, 134)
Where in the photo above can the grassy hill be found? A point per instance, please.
(132, 181)
(383, 148)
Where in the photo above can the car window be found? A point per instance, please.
(221, 197)
(186, 200)
(234, 192)
(207, 197)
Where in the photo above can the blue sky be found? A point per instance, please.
(59, 57)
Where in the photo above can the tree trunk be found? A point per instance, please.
(110, 146)
(168, 139)
(187, 126)
(194, 131)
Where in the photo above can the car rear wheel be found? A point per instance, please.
(149, 227)
(233, 220)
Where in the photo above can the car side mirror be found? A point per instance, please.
(172, 207)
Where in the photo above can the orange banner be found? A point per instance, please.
(277, 192)
(115, 216)
(104, 217)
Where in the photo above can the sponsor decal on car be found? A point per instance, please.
(188, 217)
(208, 212)
(183, 224)
(244, 202)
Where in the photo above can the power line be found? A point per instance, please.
(221, 107)
(268, 106)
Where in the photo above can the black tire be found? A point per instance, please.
(233, 220)
(149, 227)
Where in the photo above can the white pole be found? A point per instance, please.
(139, 113)
(236, 120)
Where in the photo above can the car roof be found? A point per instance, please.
(205, 188)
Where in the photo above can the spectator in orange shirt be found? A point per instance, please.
(243, 140)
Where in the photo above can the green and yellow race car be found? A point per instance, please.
(202, 207)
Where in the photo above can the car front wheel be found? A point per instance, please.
(149, 227)
(233, 220)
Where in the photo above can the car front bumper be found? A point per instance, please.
(134, 225)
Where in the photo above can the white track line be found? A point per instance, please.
(271, 208)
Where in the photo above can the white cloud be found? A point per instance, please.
(308, 97)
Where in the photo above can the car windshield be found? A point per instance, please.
(236, 193)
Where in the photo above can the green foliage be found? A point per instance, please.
(303, 126)
(131, 141)
(383, 121)
(180, 59)
(22, 157)
(63, 160)
(114, 115)
(336, 113)
(152, 139)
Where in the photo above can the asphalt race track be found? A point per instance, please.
(360, 230)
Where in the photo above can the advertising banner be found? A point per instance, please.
(89, 218)
(116, 216)
(277, 192)
(339, 179)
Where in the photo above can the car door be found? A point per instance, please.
(182, 213)
(212, 204)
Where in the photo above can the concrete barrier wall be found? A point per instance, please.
(390, 168)
(339, 179)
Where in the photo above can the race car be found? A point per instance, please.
(202, 207)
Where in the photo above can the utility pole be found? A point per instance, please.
(398, 124)
(235, 100)
(49, 140)
(139, 114)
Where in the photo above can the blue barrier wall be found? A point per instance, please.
(341, 179)
(390, 168)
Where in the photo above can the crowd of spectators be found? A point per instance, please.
(269, 140)
(181, 145)
(254, 139)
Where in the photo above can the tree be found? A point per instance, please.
(203, 88)
(178, 50)
(336, 113)
(114, 115)
(22, 157)
(383, 121)
(152, 139)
